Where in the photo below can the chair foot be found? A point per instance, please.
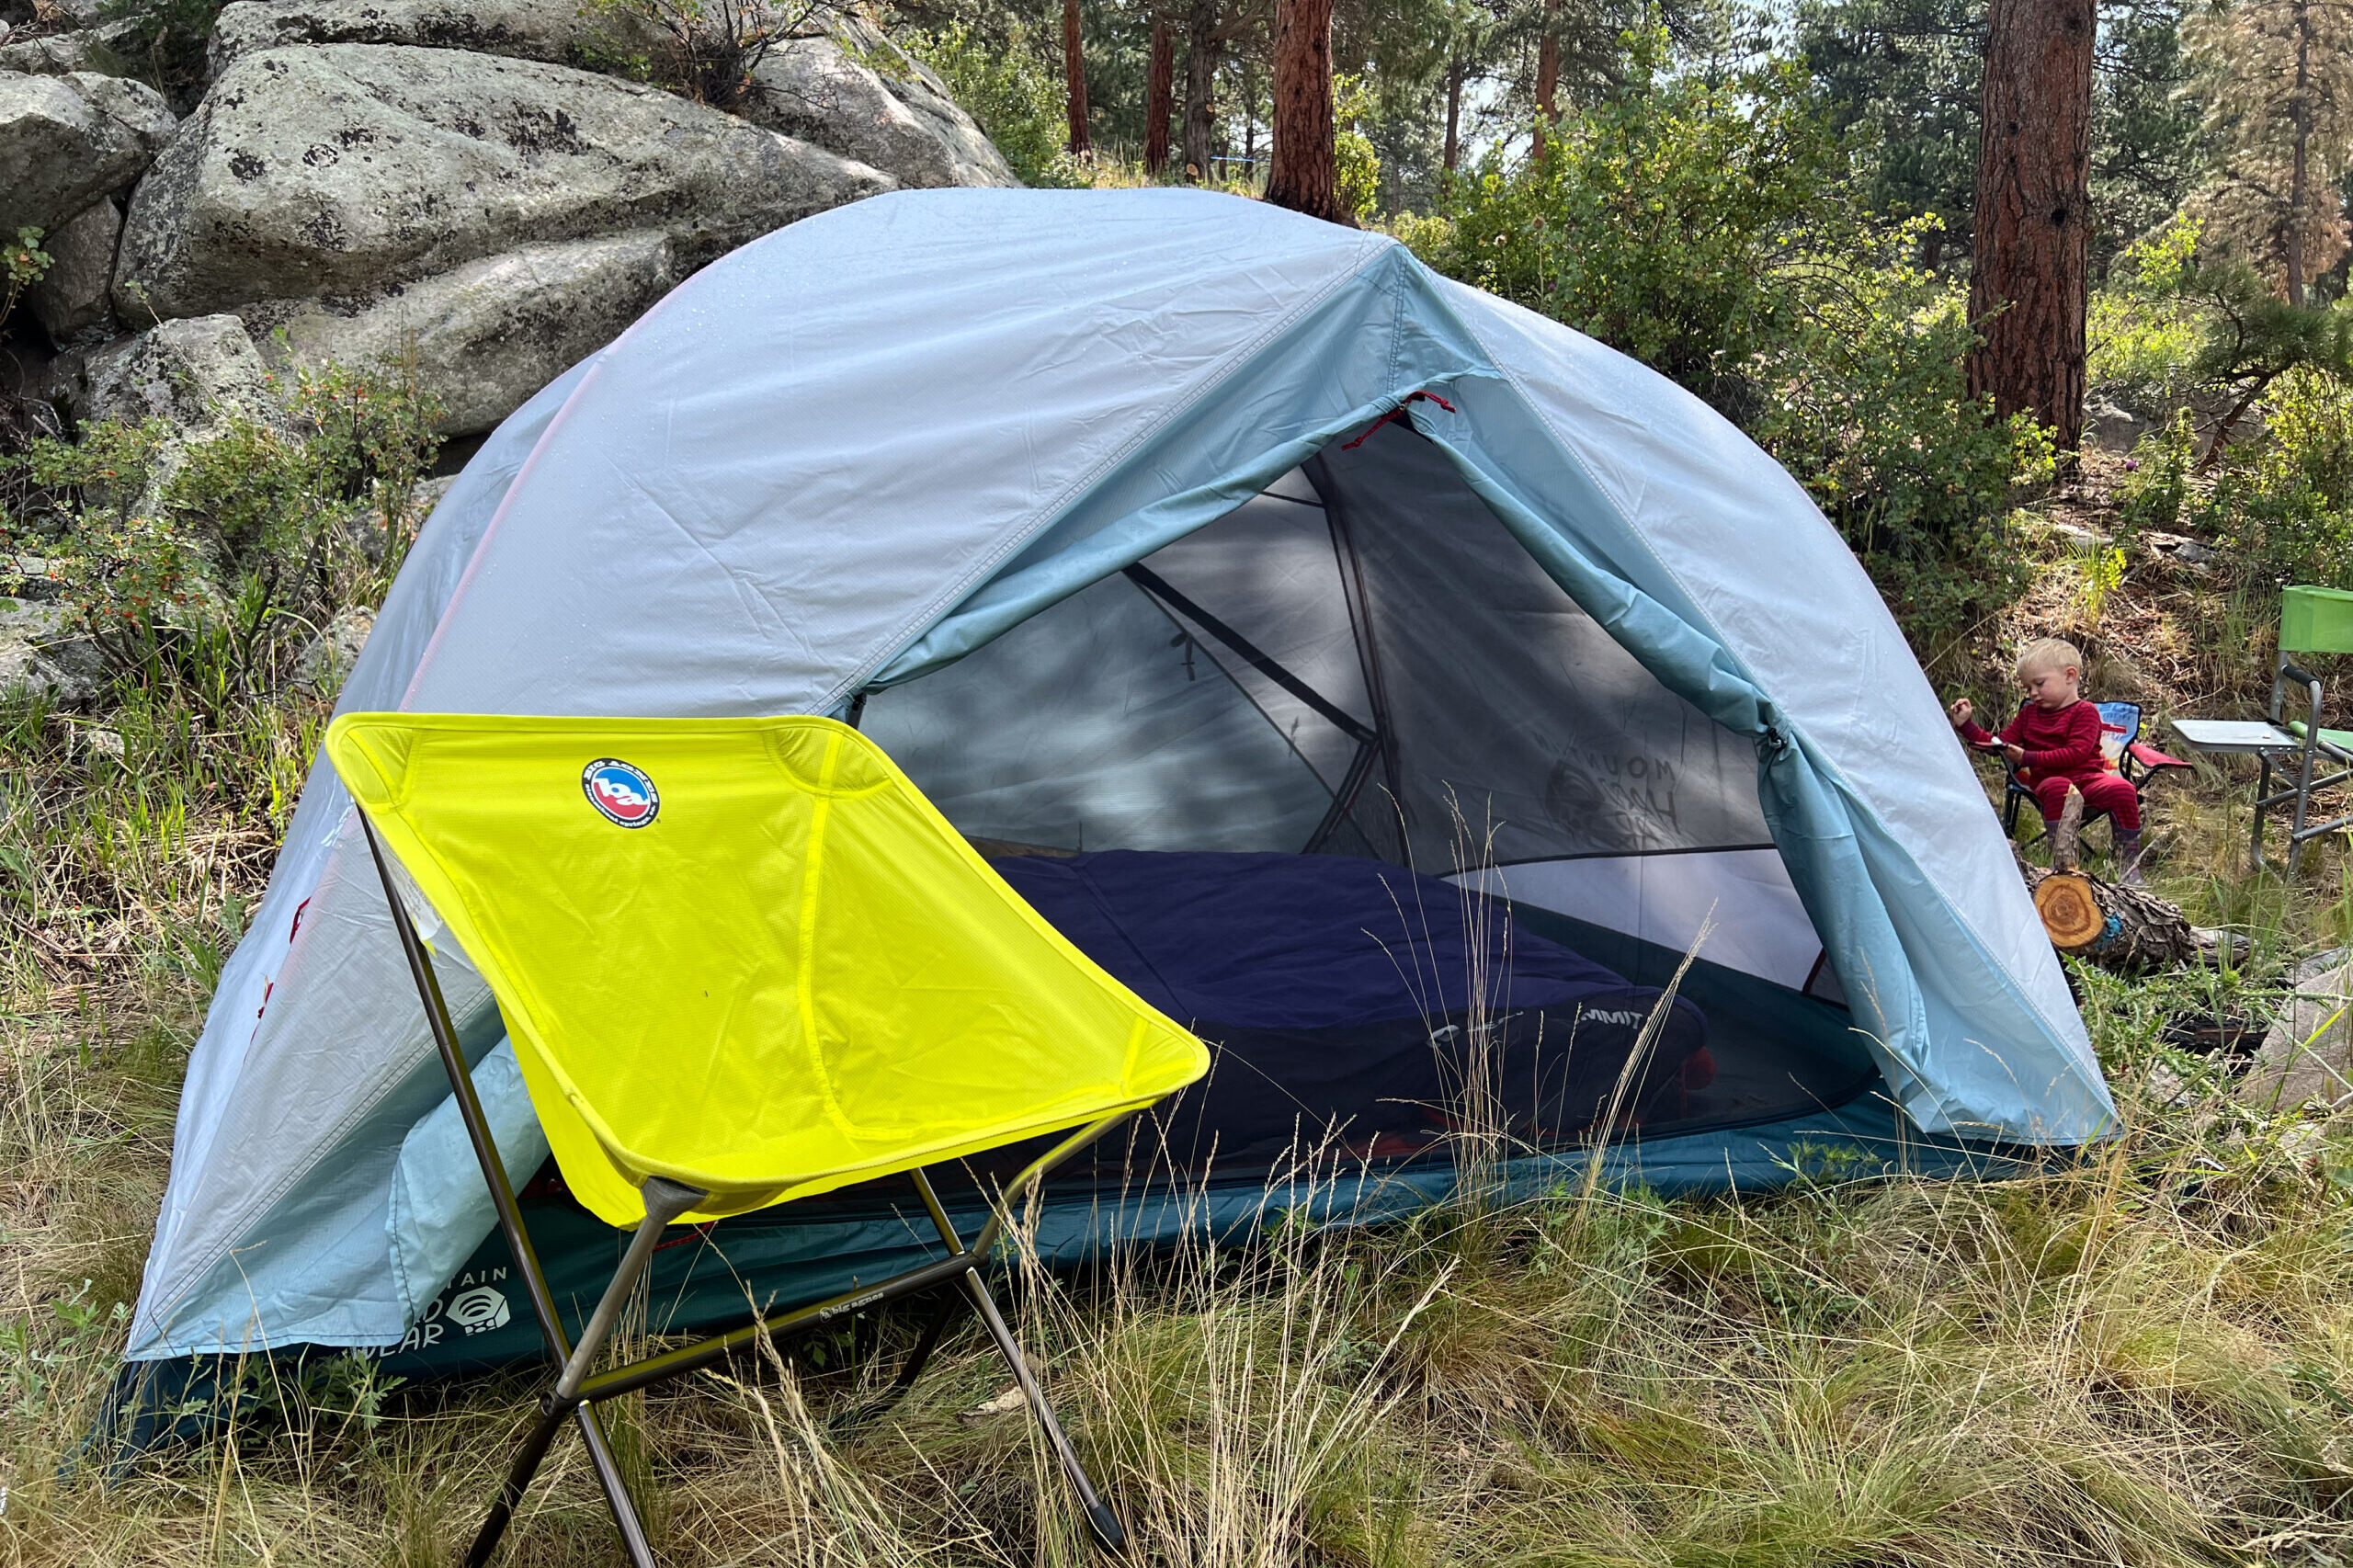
(1105, 1527)
(528, 1459)
(1101, 1522)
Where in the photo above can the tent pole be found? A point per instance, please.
(518, 1242)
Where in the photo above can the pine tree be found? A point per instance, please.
(2029, 287)
(2277, 77)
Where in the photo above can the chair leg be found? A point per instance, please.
(664, 1201)
(528, 1459)
(1101, 1522)
(622, 1506)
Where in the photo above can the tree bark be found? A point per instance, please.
(1201, 78)
(1454, 73)
(1304, 175)
(2029, 292)
(1073, 78)
(1548, 64)
(2299, 123)
(1160, 97)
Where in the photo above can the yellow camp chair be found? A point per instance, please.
(740, 962)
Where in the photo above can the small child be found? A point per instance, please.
(2055, 742)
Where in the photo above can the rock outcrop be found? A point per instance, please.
(66, 140)
(2305, 1060)
(71, 301)
(865, 97)
(454, 182)
(853, 92)
(188, 373)
(340, 169)
(489, 334)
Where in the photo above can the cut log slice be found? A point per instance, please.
(2070, 911)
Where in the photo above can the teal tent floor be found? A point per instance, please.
(712, 1278)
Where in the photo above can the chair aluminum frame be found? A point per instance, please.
(2301, 792)
(577, 1390)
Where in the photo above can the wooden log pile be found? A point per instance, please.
(2123, 928)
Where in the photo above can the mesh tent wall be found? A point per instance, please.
(898, 460)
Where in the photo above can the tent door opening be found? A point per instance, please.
(1348, 784)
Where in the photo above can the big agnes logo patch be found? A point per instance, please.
(621, 791)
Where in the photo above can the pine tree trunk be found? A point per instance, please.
(1073, 78)
(2029, 292)
(1454, 73)
(1305, 172)
(1548, 64)
(1160, 97)
(2300, 121)
(1200, 79)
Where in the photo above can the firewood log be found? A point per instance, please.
(2125, 929)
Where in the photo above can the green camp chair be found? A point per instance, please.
(742, 961)
(2311, 620)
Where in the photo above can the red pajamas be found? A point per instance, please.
(2107, 792)
(2062, 748)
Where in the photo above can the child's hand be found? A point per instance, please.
(2017, 756)
(1960, 712)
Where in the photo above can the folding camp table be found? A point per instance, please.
(740, 962)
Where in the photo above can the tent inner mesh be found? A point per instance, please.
(1362, 665)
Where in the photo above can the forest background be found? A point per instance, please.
(1774, 206)
(2142, 1356)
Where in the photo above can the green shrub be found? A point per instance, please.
(1359, 164)
(1862, 398)
(205, 568)
(1660, 221)
(2155, 486)
(1010, 95)
(2144, 342)
(2285, 498)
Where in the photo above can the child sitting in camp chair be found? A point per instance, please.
(2054, 743)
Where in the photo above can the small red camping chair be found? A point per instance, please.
(2122, 749)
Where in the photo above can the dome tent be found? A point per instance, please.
(1162, 524)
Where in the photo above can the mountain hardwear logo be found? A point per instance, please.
(478, 1311)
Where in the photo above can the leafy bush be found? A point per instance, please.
(22, 263)
(206, 568)
(1358, 164)
(1010, 95)
(2144, 344)
(2285, 498)
(1861, 397)
(703, 50)
(1704, 227)
(1660, 221)
(2155, 486)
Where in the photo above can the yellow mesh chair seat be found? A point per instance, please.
(740, 962)
(745, 955)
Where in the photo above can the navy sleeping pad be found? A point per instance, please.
(1344, 992)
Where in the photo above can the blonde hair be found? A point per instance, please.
(2046, 653)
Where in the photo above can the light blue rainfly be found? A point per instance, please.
(857, 449)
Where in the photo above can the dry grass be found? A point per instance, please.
(2142, 1357)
